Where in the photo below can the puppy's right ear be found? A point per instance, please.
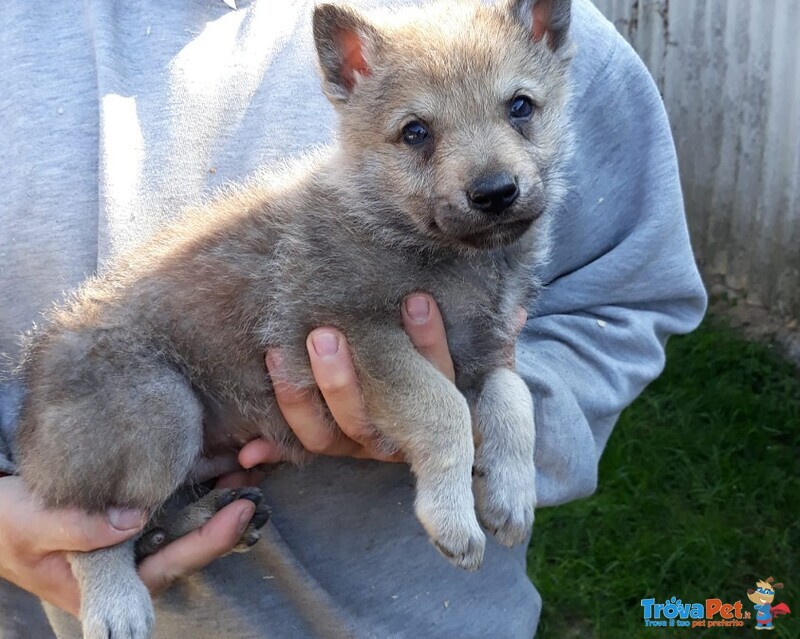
(346, 46)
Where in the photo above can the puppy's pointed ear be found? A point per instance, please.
(544, 19)
(346, 46)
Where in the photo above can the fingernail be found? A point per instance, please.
(325, 343)
(418, 308)
(246, 516)
(126, 518)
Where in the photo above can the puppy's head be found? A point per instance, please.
(453, 114)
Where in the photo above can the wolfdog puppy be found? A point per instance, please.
(445, 173)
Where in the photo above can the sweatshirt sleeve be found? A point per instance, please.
(622, 276)
(9, 402)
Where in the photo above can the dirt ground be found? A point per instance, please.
(754, 321)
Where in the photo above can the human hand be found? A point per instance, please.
(336, 378)
(34, 543)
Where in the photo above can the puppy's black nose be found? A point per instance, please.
(493, 193)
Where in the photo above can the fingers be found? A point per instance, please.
(336, 379)
(75, 530)
(259, 451)
(332, 366)
(304, 415)
(56, 584)
(425, 327)
(66, 529)
(199, 548)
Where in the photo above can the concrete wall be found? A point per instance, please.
(729, 72)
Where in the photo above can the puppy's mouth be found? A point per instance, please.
(455, 223)
(500, 234)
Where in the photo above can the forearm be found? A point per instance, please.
(622, 279)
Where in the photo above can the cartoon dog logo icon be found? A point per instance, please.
(762, 597)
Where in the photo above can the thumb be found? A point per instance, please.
(69, 529)
(74, 530)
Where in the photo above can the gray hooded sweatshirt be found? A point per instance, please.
(115, 116)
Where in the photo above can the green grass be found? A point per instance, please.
(699, 495)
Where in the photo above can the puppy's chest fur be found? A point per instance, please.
(213, 296)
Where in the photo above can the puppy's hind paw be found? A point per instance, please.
(251, 535)
(168, 528)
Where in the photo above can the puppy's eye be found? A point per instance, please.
(415, 133)
(521, 108)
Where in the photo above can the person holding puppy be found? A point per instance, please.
(146, 109)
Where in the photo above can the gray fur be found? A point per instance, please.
(159, 363)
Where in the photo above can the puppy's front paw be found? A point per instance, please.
(505, 496)
(504, 476)
(455, 532)
(125, 613)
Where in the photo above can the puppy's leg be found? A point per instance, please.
(505, 477)
(424, 414)
(159, 425)
(115, 604)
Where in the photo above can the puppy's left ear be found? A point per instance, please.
(545, 19)
(347, 46)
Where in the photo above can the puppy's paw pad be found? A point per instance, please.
(222, 497)
(260, 516)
